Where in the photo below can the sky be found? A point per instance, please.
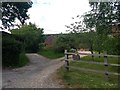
(53, 15)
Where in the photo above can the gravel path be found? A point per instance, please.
(39, 73)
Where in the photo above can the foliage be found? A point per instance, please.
(13, 10)
(88, 39)
(98, 43)
(30, 36)
(84, 40)
(65, 42)
(10, 50)
(111, 45)
(96, 27)
(102, 16)
(77, 26)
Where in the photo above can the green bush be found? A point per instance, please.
(64, 42)
(111, 45)
(30, 36)
(11, 50)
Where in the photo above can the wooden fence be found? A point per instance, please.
(105, 63)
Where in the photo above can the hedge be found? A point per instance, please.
(11, 50)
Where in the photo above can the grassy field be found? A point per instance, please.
(83, 79)
(51, 54)
(113, 60)
(94, 66)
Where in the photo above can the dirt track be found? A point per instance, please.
(37, 74)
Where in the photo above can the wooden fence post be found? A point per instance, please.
(106, 65)
(66, 61)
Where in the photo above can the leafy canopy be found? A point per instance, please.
(103, 16)
(13, 10)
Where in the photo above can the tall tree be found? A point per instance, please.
(103, 16)
(77, 26)
(12, 10)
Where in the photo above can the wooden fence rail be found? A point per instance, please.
(69, 53)
(105, 63)
(93, 62)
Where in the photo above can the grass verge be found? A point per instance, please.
(83, 79)
(50, 53)
(23, 60)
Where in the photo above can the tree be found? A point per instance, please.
(30, 36)
(103, 16)
(13, 10)
(65, 41)
(77, 26)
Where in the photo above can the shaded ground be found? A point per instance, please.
(39, 73)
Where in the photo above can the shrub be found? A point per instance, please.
(111, 45)
(11, 50)
(30, 36)
(64, 42)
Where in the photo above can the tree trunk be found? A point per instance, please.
(99, 53)
(92, 55)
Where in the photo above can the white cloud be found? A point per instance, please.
(53, 15)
